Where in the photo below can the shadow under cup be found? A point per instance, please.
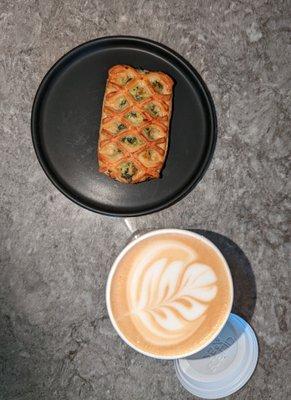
(190, 350)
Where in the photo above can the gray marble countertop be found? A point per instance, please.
(56, 341)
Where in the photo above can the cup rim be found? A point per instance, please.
(113, 269)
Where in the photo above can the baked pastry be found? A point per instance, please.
(133, 137)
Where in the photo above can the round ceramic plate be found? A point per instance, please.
(66, 118)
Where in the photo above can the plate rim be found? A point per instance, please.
(147, 210)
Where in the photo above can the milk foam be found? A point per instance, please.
(169, 297)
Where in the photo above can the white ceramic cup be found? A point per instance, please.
(122, 254)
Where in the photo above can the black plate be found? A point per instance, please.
(66, 116)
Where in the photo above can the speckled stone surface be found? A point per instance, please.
(56, 342)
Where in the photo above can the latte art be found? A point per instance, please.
(170, 297)
(169, 293)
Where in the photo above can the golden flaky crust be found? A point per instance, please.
(134, 131)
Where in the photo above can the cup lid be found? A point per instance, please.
(225, 365)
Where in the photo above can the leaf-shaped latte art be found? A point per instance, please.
(169, 297)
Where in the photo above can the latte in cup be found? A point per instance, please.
(169, 293)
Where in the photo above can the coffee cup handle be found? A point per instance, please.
(134, 233)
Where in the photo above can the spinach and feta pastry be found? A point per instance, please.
(134, 131)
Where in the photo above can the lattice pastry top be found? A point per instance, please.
(133, 138)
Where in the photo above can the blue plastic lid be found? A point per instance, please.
(225, 365)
